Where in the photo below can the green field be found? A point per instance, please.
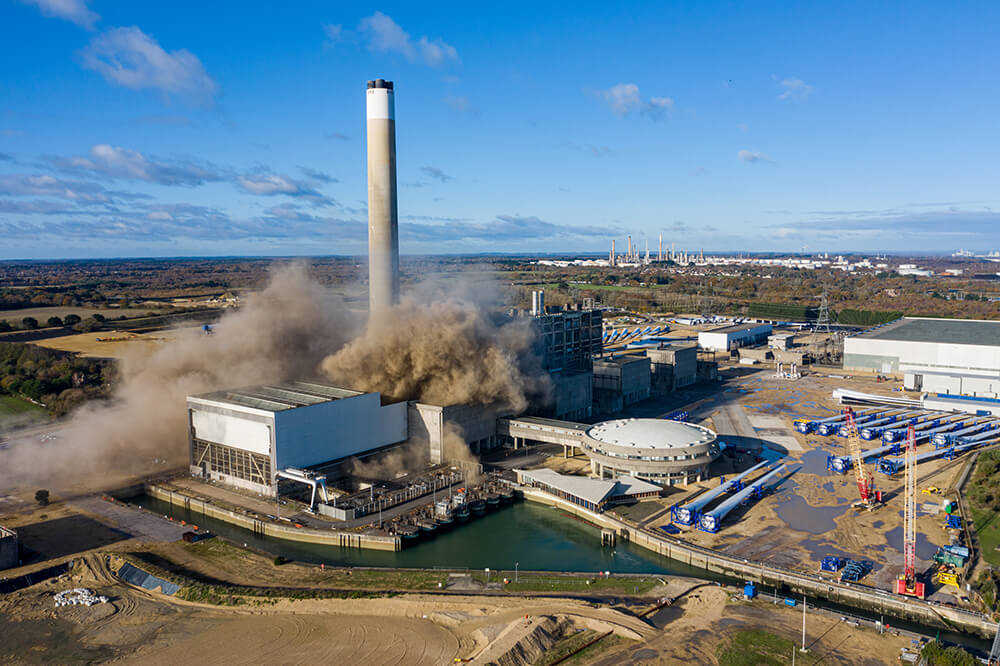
(987, 525)
(11, 406)
(983, 494)
(569, 583)
(754, 648)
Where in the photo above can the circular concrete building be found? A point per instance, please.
(658, 450)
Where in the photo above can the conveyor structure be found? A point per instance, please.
(712, 520)
(689, 513)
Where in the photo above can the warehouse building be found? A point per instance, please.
(727, 338)
(672, 367)
(659, 450)
(244, 437)
(948, 356)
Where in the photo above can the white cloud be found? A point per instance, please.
(130, 58)
(387, 36)
(795, 89)
(334, 33)
(268, 184)
(625, 98)
(622, 98)
(115, 162)
(752, 157)
(461, 104)
(74, 11)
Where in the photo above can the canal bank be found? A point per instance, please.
(711, 564)
(637, 550)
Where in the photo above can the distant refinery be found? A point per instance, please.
(633, 257)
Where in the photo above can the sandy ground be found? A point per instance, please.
(123, 343)
(143, 627)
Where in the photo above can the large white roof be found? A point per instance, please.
(650, 433)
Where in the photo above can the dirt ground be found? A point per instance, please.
(114, 344)
(137, 626)
(809, 515)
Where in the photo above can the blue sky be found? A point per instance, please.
(210, 128)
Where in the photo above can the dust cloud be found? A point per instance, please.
(444, 353)
(280, 333)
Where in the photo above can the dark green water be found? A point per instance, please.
(534, 536)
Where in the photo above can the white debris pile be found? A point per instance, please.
(78, 596)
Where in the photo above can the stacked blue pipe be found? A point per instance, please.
(943, 439)
(829, 426)
(890, 466)
(873, 429)
(689, 513)
(711, 521)
(843, 463)
(899, 434)
(869, 418)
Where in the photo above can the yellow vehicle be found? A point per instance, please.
(931, 490)
(947, 578)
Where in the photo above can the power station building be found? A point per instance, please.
(672, 367)
(949, 356)
(659, 450)
(620, 380)
(244, 437)
(567, 342)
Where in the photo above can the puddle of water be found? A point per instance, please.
(878, 524)
(800, 515)
(814, 462)
(828, 486)
(925, 549)
(820, 548)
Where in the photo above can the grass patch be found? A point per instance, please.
(598, 648)
(753, 647)
(567, 645)
(983, 496)
(572, 584)
(13, 406)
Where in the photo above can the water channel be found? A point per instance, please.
(530, 536)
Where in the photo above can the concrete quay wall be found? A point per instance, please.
(266, 528)
(854, 595)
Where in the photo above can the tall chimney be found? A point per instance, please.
(659, 257)
(383, 219)
(612, 251)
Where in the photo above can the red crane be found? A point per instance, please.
(870, 498)
(907, 582)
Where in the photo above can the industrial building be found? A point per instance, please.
(949, 356)
(727, 338)
(620, 380)
(244, 437)
(10, 555)
(672, 367)
(658, 450)
(567, 342)
(593, 494)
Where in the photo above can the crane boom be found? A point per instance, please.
(864, 476)
(907, 583)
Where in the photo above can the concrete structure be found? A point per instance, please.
(569, 340)
(243, 437)
(572, 394)
(727, 338)
(537, 303)
(435, 428)
(10, 555)
(672, 367)
(593, 494)
(383, 217)
(620, 380)
(658, 450)
(780, 341)
(948, 356)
